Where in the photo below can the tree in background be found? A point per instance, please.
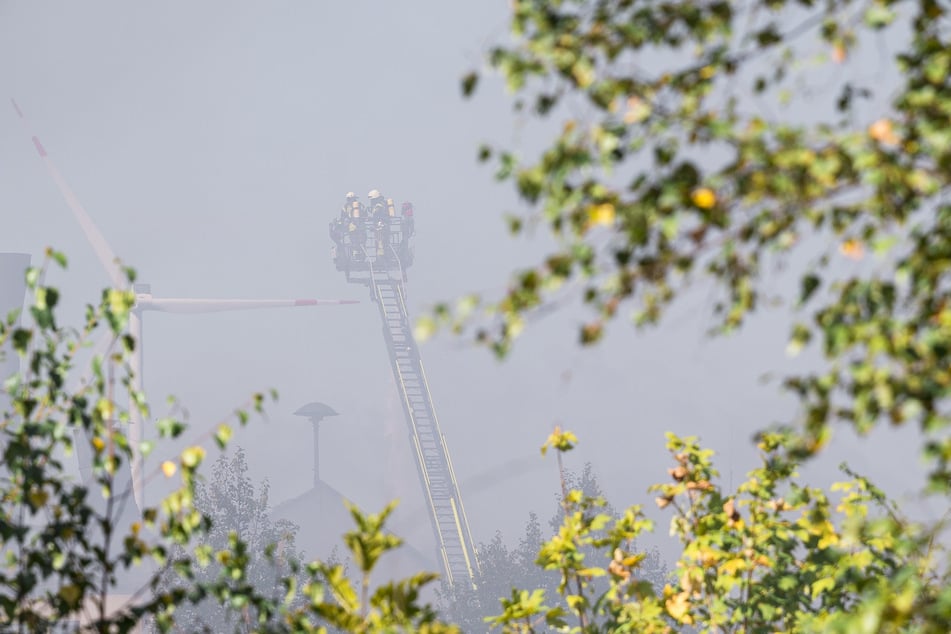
(237, 510)
(652, 566)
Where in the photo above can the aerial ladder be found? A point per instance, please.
(375, 252)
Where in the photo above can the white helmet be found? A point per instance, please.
(374, 193)
(351, 195)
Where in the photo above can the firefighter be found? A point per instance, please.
(408, 228)
(409, 223)
(376, 205)
(351, 204)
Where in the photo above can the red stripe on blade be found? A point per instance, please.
(305, 302)
(39, 147)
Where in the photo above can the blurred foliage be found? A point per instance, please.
(502, 569)
(67, 544)
(688, 140)
(709, 140)
(772, 556)
(80, 556)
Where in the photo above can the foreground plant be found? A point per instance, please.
(80, 555)
(773, 555)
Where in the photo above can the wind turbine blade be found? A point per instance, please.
(100, 246)
(178, 305)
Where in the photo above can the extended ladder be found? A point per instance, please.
(447, 515)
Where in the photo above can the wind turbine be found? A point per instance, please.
(145, 301)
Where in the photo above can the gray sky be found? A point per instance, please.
(212, 142)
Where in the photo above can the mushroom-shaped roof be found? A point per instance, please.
(315, 410)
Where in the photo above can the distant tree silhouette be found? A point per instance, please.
(229, 498)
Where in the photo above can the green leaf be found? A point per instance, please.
(21, 340)
(810, 283)
(879, 16)
(469, 83)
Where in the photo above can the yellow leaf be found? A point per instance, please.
(591, 572)
(425, 328)
(852, 249)
(617, 569)
(687, 582)
(838, 53)
(883, 132)
(820, 586)
(192, 456)
(169, 468)
(98, 443)
(830, 539)
(637, 110)
(677, 607)
(708, 557)
(560, 440)
(862, 559)
(38, 497)
(704, 198)
(70, 594)
(602, 214)
(583, 73)
(105, 408)
(120, 301)
(733, 566)
(223, 434)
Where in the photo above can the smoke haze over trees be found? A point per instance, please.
(783, 166)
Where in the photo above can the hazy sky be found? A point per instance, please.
(212, 142)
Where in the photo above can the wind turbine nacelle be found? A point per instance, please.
(143, 292)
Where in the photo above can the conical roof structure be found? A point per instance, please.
(323, 519)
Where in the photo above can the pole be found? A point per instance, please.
(316, 422)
